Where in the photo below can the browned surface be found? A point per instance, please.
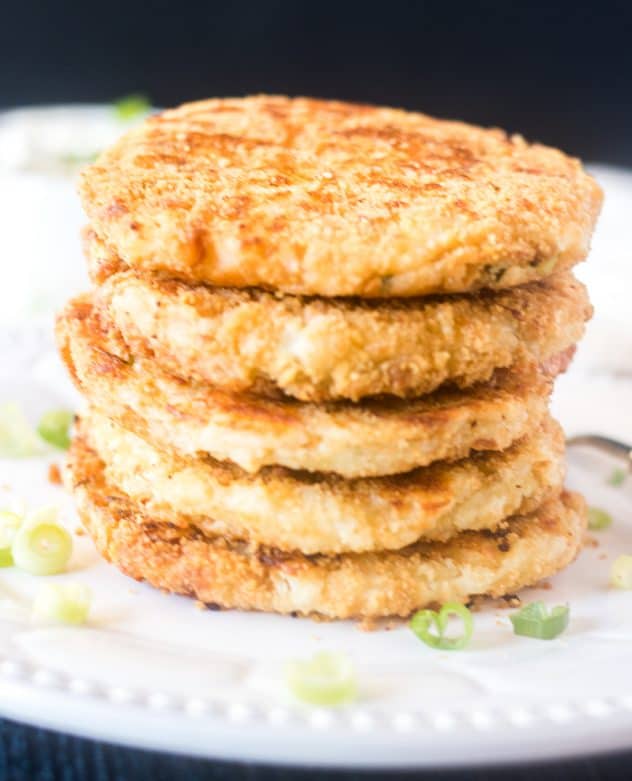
(234, 575)
(327, 198)
(324, 349)
(377, 437)
(316, 513)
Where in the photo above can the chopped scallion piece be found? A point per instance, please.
(535, 620)
(131, 107)
(426, 620)
(325, 679)
(9, 524)
(75, 160)
(17, 437)
(41, 546)
(617, 477)
(621, 572)
(65, 603)
(598, 519)
(54, 428)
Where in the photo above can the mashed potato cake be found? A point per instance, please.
(324, 513)
(328, 198)
(377, 437)
(326, 349)
(237, 575)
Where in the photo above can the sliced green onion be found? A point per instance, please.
(41, 546)
(598, 519)
(64, 603)
(54, 428)
(325, 679)
(621, 572)
(17, 437)
(131, 107)
(535, 620)
(425, 621)
(75, 159)
(9, 524)
(617, 477)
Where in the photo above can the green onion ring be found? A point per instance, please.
(598, 519)
(621, 572)
(42, 548)
(617, 477)
(131, 107)
(54, 427)
(64, 603)
(425, 620)
(325, 679)
(17, 437)
(535, 620)
(9, 525)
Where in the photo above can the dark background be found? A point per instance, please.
(557, 72)
(560, 73)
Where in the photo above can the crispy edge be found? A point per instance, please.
(374, 438)
(230, 574)
(326, 198)
(324, 513)
(320, 350)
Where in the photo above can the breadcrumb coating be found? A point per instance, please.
(328, 514)
(326, 349)
(354, 585)
(374, 438)
(327, 198)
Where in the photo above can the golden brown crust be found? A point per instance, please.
(335, 199)
(232, 575)
(326, 514)
(377, 437)
(324, 349)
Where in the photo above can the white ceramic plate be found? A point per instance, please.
(153, 671)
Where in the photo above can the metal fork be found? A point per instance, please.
(607, 445)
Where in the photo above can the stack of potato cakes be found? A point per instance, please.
(318, 356)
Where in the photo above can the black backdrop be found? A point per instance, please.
(559, 73)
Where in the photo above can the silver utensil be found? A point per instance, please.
(606, 445)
